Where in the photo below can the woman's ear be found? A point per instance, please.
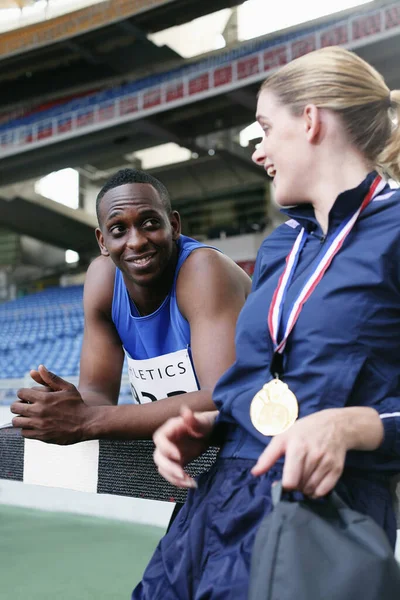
(100, 241)
(312, 122)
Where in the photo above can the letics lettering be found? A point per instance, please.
(152, 374)
(161, 377)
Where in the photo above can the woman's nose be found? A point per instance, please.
(259, 156)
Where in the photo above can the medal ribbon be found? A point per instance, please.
(275, 309)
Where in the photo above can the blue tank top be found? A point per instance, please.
(163, 331)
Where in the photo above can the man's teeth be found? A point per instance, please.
(141, 261)
(271, 172)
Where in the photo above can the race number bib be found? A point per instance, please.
(161, 377)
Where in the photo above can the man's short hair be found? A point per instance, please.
(125, 176)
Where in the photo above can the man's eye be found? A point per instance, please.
(151, 223)
(116, 229)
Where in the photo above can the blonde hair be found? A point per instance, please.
(341, 81)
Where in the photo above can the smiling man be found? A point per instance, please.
(165, 301)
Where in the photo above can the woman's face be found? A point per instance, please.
(285, 151)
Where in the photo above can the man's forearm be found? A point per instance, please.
(96, 399)
(140, 421)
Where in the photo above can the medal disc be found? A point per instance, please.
(274, 408)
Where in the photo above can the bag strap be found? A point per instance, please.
(333, 498)
(336, 500)
(276, 493)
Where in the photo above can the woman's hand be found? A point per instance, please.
(315, 448)
(179, 441)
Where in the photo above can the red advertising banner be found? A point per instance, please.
(246, 67)
(174, 92)
(392, 17)
(276, 57)
(367, 26)
(338, 35)
(303, 46)
(198, 84)
(222, 76)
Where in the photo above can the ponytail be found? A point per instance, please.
(389, 158)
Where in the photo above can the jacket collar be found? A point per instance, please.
(345, 204)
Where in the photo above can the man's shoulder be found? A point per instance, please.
(99, 283)
(210, 263)
(208, 278)
(103, 265)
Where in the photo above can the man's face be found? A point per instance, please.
(137, 232)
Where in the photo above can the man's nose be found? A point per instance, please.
(136, 238)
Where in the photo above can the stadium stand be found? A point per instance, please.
(46, 327)
(98, 106)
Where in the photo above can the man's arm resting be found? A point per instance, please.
(58, 414)
(102, 355)
(140, 421)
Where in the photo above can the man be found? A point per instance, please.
(169, 303)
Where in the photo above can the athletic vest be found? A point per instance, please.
(157, 346)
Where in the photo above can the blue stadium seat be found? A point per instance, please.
(47, 328)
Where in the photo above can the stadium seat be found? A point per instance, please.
(47, 328)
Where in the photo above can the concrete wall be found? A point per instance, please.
(241, 247)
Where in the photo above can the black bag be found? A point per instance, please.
(321, 550)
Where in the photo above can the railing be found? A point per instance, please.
(248, 64)
(123, 468)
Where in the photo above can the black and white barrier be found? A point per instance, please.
(123, 468)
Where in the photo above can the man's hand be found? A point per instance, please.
(53, 413)
(315, 447)
(179, 441)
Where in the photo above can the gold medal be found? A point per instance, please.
(274, 408)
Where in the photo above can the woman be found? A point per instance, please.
(323, 318)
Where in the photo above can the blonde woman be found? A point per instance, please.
(314, 395)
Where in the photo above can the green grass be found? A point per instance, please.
(57, 556)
